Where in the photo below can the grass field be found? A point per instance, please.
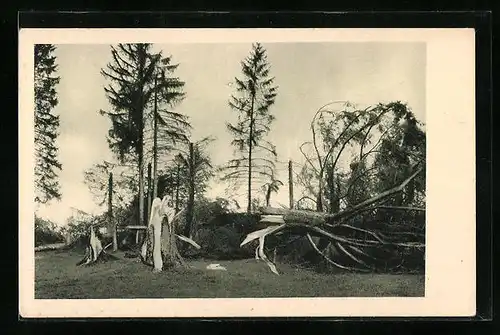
(57, 277)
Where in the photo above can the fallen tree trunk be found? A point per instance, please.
(50, 247)
(318, 218)
(362, 242)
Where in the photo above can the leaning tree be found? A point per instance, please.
(363, 229)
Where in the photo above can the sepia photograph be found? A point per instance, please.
(249, 168)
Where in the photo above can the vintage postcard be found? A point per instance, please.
(247, 172)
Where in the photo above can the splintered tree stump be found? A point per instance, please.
(159, 249)
(169, 251)
(95, 252)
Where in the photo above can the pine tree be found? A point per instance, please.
(136, 73)
(46, 125)
(255, 94)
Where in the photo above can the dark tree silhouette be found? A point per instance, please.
(46, 125)
(136, 74)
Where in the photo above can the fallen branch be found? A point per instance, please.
(353, 210)
(338, 245)
(188, 240)
(359, 251)
(365, 231)
(261, 235)
(337, 238)
(402, 208)
(330, 260)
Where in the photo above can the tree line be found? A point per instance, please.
(382, 143)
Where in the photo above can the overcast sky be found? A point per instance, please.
(309, 75)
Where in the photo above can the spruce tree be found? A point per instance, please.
(46, 125)
(135, 74)
(255, 94)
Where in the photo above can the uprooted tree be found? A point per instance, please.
(370, 209)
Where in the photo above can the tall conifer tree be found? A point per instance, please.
(255, 94)
(135, 74)
(47, 164)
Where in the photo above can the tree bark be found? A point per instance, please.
(319, 199)
(112, 223)
(140, 147)
(290, 184)
(190, 204)
(297, 215)
(177, 185)
(160, 244)
(155, 144)
(150, 198)
(250, 147)
(268, 195)
(314, 218)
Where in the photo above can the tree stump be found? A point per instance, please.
(159, 248)
(95, 251)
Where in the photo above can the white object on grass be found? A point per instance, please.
(216, 267)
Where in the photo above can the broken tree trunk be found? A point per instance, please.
(363, 236)
(319, 218)
(159, 248)
(95, 252)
